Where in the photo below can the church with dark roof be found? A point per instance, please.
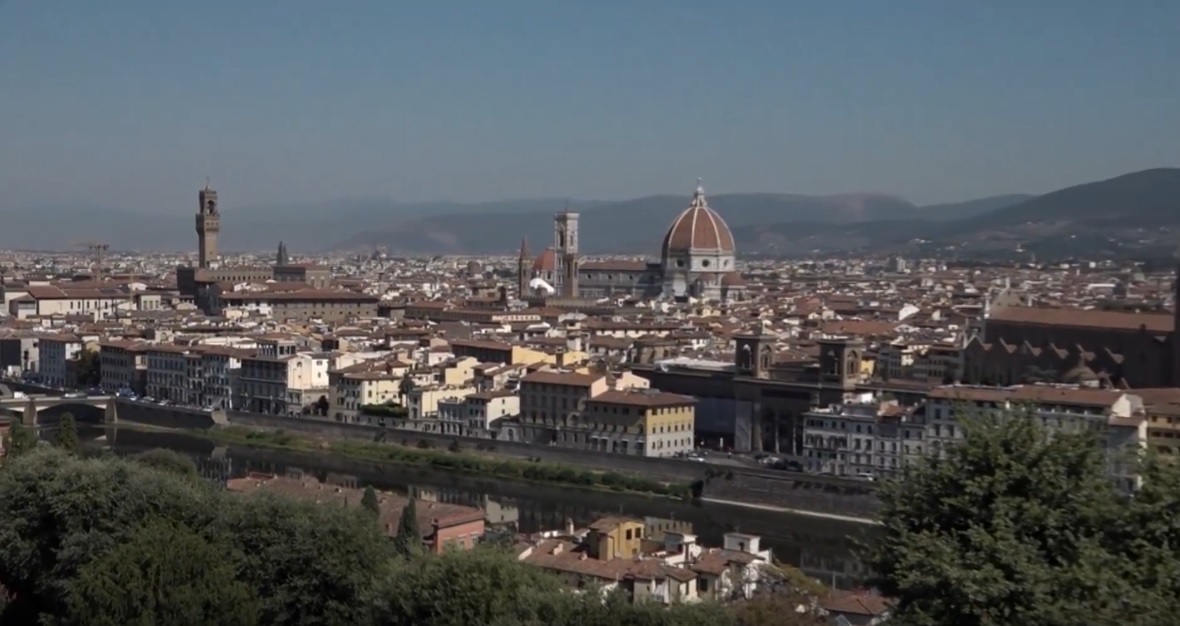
(697, 260)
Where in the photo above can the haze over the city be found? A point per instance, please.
(133, 103)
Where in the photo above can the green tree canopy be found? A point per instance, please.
(485, 586)
(67, 434)
(168, 461)
(308, 563)
(409, 538)
(89, 370)
(1014, 527)
(21, 438)
(370, 502)
(59, 512)
(162, 574)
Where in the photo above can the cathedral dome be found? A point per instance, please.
(698, 229)
(733, 279)
(546, 261)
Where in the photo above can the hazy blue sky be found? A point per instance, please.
(134, 102)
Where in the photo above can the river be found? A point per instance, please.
(822, 548)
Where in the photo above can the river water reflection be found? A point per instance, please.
(822, 548)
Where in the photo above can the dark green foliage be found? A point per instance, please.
(406, 386)
(308, 563)
(385, 410)
(21, 439)
(58, 513)
(408, 541)
(1014, 527)
(67, 434)
(458, 589)
(487, 587)
(162, 574)
(114, 541)
(89, 370)
(370, 502)
(168, 461)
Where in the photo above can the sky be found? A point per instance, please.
(133, 103)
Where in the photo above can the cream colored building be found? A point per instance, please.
(637, 422)
(422, 402)
(487, 351)
(476, 415)
(360, 384)
(282, 385)
(100, 302)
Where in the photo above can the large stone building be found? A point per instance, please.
(202, 281)
(697, 259)
(1024, 344)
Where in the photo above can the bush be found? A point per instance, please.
(385, 410)
(168, 461)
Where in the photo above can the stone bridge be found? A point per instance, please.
(36, 410)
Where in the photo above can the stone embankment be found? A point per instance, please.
(787, 490)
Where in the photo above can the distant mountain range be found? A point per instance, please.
(1137, 213)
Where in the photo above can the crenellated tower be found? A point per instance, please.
(208, 227)
(565, 244)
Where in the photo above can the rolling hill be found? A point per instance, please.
(1137, 213)
(629, 226)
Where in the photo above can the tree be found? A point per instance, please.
(370, 502)
(58, 513)
(307, 563)
(21, 439)
(483, 586)
(488, 587)
(162, 574)
(67, 434)
(408, 541)
(168, 461)
(89, 370)
(405, 388)
(1014, 527)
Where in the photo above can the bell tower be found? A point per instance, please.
(840, 361)
(208, 227)
(522, 270)
(565, 244)
(754, 353)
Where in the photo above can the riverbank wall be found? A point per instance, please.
(822, 494)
